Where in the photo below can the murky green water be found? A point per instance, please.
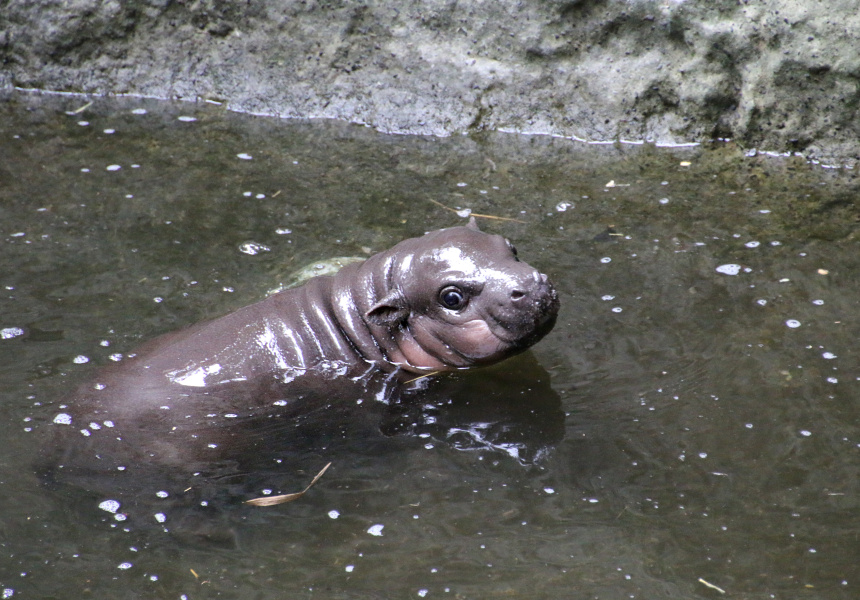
(709, 431)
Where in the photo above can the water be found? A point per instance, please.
(700, 432)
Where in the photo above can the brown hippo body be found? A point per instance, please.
(451, 299)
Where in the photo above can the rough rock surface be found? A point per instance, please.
(779, 75)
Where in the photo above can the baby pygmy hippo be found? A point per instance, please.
(452, 299)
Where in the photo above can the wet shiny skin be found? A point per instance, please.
(451, 299)
(387, 311)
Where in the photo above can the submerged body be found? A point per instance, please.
(452, 299)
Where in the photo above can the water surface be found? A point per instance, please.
(700, 431)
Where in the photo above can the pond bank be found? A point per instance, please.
(778, 76)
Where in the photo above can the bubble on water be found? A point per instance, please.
(63, 419)
(818, 302)
(617, 309)
(376, 530)
(563, 206)
(549, 490)
(244, 156)
(832, 380)
(113, 167)
(116, 357)
(110, 506)
(124, 566)
(605, 260)
(283, 231)
(462, 184)
(8, 593)
(253, 248)
(83, 123)
(333, 514)
(186, 119)
(10, 332)
(80, 359)
(160, 517)
(422, 592)
(349, 568)
(110, 131)
(162, 494)
(607, 297)
(752, 244)
(805, 432)
(663, 201)
(761, 302)
(793, 323)
(828, 355)
(139, 111)
(729, 269)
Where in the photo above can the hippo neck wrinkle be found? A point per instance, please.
(348, 302)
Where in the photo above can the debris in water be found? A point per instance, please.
(273, 500)
(712, 586)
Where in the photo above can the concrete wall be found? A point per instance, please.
(779, 75)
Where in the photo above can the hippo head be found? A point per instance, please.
(459, 297)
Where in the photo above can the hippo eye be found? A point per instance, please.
(452, 297)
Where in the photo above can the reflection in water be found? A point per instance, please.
(511, 409)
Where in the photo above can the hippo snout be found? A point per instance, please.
(534, 306)
(536, 287)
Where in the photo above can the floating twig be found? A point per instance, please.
(83, 108)
(712, 586)
(422, 377)
(273, 500)
(474, 214)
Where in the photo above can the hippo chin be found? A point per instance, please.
(452, 299)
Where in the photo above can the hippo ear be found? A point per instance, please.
(472, 224)
(391, 311)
